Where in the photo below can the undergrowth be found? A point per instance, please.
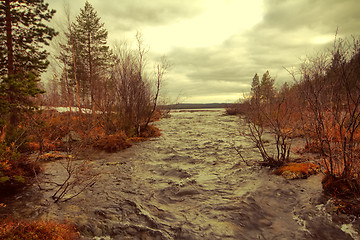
(37, 230)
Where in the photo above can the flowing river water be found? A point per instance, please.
(190, 184)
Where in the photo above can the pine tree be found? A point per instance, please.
(22, 57)
(91, 52)
(255, 89)
(267, 87)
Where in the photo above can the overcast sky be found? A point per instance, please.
(216, 46)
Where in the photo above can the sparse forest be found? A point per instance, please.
(110, 96)
(105, 98)
(321, 106)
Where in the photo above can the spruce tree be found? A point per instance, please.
(255, 89)
(267, 87)
(23, 35)
(91, 52)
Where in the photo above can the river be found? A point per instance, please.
(190, 184)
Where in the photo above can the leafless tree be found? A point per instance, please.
(330, 86)
(273, 115)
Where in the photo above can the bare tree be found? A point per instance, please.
(160, 71)
(271, 112)
(330, 86)
(79, 176)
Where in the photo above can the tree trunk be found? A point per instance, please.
(9, 43)
(10, 63)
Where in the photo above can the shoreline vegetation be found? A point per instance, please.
(321, 106)
(111, 95)
(113, 99)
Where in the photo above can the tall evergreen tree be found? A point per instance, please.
(267, 87)
(91, 52)
(255, 88)
(22, 57)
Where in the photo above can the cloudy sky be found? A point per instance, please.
(216, 46)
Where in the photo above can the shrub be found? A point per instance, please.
(238, 108)
(39, 230)
(136, 139)
(15, 168)
(113, 143)
(339, 186)
(297, 170)
(149, 131)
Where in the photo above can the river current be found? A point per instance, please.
(190, 183)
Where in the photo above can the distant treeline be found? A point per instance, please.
(196, 105)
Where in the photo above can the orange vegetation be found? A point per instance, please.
(339, 187)
(41, 230)
(15, 169)
(150, 131)
(137, 139)
(52, 156)
(113, 143)
(297, 170)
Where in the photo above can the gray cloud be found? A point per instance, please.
(281, 39)
(287, 32)
(126, 15)
(130, 14)
(321, 15)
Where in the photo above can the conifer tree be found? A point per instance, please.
(267, 87)
(23, 35)
(255, 89)
(91, 53)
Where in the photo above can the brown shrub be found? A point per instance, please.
(113, 143)
(339, 186)
(297, 170)
(136, 139)
(41, 230)
(149, 131)
(16, 170)
(238, 108)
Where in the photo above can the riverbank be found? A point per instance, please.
(189, 184)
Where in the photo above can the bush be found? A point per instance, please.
(340, 186)
(149, 131)
(15, 168)
(238, 108)
(39, 230)
(113, 143)
(297, 170)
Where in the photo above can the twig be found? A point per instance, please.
(240, 154)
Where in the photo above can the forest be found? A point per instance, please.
(110, 96)
(112, 99)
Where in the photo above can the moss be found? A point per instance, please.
(51, 156)
(4, 179)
